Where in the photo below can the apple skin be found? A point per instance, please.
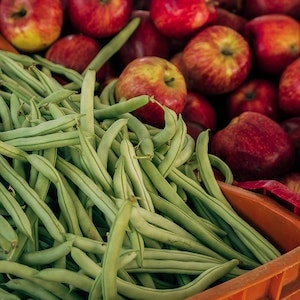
(75, 51)
(179, 18)
(254, 147)
(99, 19)
(255, 8)
(157, 77)
(274, 41)
(256, 94)
(229, 19)
(216, 60)
(27, 27)
(147, 40)
(199, 114)
(289, 89)
(292, 127)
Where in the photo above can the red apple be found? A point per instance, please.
(147, 40)
(179, 18)
(157, 77)
(99, 19)
(275, 42)
(254, 147)
(258, 94)
(216, 60)
(229, 19)
(289, 89)
(75, 51)
(199, 114)
(292, 127)
(31, 25)
(255, 8)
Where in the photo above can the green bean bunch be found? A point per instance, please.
(96, 204)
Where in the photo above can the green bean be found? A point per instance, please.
(6, 244)
(221, 165)
(162, 185)
(23, 74)
(200, 283)
(5, 295)
(92, 190)
(87, 244)
(15, 211)
(133, 169)
(46, 256)
(113, 45)
(16, 269)
(108, 138)
(51, 140)
(228, 215)
(206, 236)
(5, 115)
(186, 153)
(32, 199)
(205, 168)
(56, 97)
(171, 266)
(86, 224)
(51, 126)
(59, 69)
(66, 204)
(107, 91)
(164, 223)
(8, 233)
(58, 289)
(16, 112)
(120, 108)
(111, 255)
(49, 83)
(168, 237)
(16, 88)
(94, 164)
(176, 146)
(87, 103)
(75, 279)
(167, 133)
(29, 288)
(23, 59)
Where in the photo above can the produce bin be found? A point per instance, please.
(278, 279)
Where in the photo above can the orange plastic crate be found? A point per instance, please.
(278, 279)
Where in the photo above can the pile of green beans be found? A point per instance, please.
(96, 204)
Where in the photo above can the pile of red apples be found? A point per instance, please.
(230, 66)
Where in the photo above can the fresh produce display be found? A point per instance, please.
(118, 120)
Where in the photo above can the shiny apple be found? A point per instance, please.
(31, 25)
(75, 51)
(156, 77)
(199, 114)
(216, 60)
(147, 40)
(289, 89)
(255, 8)
(257, 94)
(254, 146)
(275, 42)
(99, 19)
(179, 18)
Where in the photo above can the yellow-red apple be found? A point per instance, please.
(156, 77)
(216, 60)
(275, 42)
(289, 89)
(31, 25)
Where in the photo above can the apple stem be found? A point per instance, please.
(19, 14)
